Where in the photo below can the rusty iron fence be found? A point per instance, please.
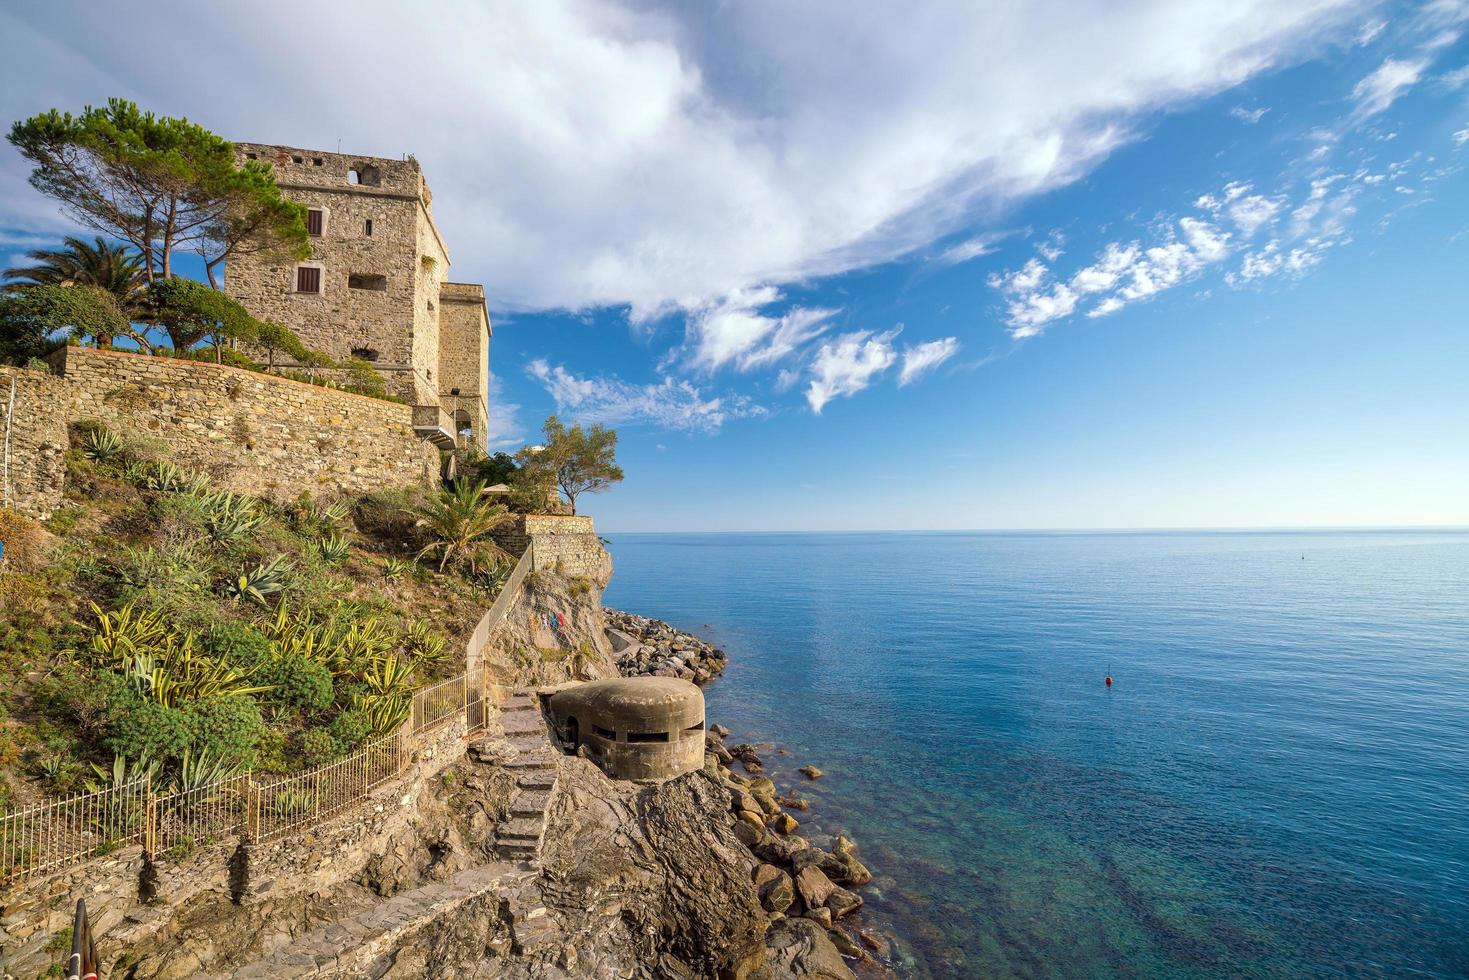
(59, 833)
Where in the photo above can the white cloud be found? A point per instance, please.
(611, 401)
(666, 156)
(1380, 89)
(1454, 80)
(734, 330)
(1250, 116)
(847, 365)
(922, 358)
(1252, 211)
(1461, 136)
(506, 428)
(972, 248)
(1371, 31)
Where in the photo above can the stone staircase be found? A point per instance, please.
(534, 765)
(347, 947)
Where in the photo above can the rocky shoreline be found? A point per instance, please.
(650, 647)
(795, 878)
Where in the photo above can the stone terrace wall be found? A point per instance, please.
(36, 425)
(251, 432)
(564, 544)
(317, 858)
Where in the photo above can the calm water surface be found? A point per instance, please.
(1277, 784)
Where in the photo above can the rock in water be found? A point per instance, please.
(811, 772)
(801, 950)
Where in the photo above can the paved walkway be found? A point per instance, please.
(519, 838)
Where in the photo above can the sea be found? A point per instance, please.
(1275, 784)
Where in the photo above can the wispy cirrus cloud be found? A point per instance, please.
(1250, 116)
(847, 365)
(735, 330)
(919, 359)
(1385, 85)
(669, 404)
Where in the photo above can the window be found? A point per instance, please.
(365, 280)
(364, 353)
(601, 732)
(308, 279)
(316, 161)
(363, 173)
(647, 736)
(252, 156)
(297, 160)
(314, 219)
(367, 228)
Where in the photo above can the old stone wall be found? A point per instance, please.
(567, 545)
(464, 354)
(312, 860)
(33, 432)
(393, 321)
(251, 432)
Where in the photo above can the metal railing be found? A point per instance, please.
(59, 833)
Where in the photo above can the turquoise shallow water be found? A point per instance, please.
(1277, 784)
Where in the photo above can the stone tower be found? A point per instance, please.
(376, 286)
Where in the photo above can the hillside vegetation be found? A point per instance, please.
(158, 625)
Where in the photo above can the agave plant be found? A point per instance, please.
(316, 517)
(333, 549)
(168, 478)
(201, 770)
(461, 520)
(103, 446)
(230, 516)
(124, 633)
(293, 803)
(259, 582)
(423, 643)
(395, 568)
(175, 674)
(122, 773)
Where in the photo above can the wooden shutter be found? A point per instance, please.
(313, 222)
(308, 279)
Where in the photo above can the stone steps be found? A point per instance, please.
(537, 780)
(346, 947)
(519, 837)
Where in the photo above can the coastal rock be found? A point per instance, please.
(813, 886)
(646, 646)
(794, 802)
(719, 730)
(843, 902)
(821, 916)
(778, 893)
(799, 949)
(811, 772)
(846, 945)
(784, 823)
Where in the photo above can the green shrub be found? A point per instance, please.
(64, 520)
(237, 643)
(259, 582)
(349, 729)
(300, 683)
(270, 752)
(317, 747)
(103, 446)
(333, 549)
(228, 728)
(138, 728)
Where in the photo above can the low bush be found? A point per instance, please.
(301, 684)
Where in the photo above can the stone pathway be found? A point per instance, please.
(344, 947)
(519, 838)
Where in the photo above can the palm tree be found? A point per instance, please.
(114, 268)
(461, 521)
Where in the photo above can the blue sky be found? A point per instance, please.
(1077, 265)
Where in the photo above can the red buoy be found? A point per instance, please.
(1109, 680)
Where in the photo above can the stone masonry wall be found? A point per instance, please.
(464, 352)
(566, 545)
(315, 859)
(35, 464)
(252, 432)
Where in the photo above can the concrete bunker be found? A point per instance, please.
(633, 727)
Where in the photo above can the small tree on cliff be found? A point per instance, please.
(460, 521)
(159, 184)
(37, 319)
(576, 461)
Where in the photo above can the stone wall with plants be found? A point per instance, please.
(35, 443)
(250, 432)
(567, 545)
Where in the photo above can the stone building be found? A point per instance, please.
(376, 286)
(632, 727)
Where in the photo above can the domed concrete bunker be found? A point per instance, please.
(633, 727)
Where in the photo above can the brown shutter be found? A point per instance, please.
(313, 222)
(308, 279)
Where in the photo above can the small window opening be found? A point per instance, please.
(316, 161)
(696, 728)
(647, 736)
(363, 280)
(252, 156)
(601, 732)
(364, 353)
(367, 228)
(297, 160)
(314, 219)
(308, 279)
(363, 173)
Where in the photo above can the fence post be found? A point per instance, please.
(150, 821)
(252, 808)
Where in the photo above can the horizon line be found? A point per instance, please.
(1200, 529)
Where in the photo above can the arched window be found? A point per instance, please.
(363, 173)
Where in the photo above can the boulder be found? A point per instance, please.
(846, 945)
(843, 902)
(821, 916)
(813, 886)
(719, 730)
(798, 949)
(778, 894)
(811, 772)
(784, 823)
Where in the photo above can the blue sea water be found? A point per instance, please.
(1277, 784)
